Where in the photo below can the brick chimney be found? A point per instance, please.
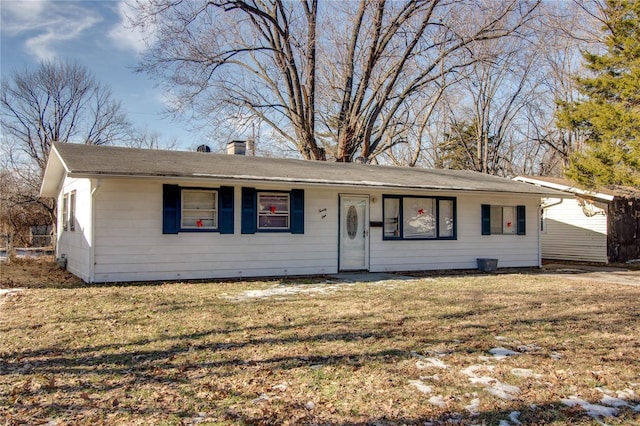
(237, 148)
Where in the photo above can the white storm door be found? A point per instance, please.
(354, 232)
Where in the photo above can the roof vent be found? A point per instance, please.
(203, 148)
(237, 148)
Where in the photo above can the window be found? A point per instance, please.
(273, 211)
(199, 209)
(503, 220)
(72, 211)
(65, 212)
(418, 217)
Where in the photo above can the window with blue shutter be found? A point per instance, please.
(187, 209)
(170, 209)
(521, 219)
(503, 220)
(249, 211)
(272, 211)
(486, 219)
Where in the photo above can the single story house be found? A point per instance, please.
(593, 226)
(130, 214)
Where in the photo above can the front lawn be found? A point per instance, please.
(504, 349)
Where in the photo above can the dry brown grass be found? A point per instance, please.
(320, 353)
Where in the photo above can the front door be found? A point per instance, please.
(354, 232)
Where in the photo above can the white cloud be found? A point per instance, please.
(127, 36)
(45, 24)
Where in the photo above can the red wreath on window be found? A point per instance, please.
(420, 211)
(272, 209)
(508, 224)
(199, 223)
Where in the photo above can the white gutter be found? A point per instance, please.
(243, 179)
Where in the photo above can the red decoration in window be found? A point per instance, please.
(272, 209)
(508, 224)
(199, 223)
(420, 211)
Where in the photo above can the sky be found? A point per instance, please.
(95, 34)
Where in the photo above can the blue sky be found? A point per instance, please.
(93, 33)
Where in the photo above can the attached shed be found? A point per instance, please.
(129, 214)
(593, 226)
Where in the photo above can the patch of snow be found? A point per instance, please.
(435, 377)
(504, 423)
(10, 291)
(282, 387)
(472, 369)
(529, 348)
(280, 291)
(426, 362)
(473, 406)
(514, 417)
(613, 402)
(525, 372)
(594, 410)
(501, 338)
(503, 390)
(421, 386)
(502, 353)
(490, 384)
(438, 401)
(556, 355)
(263, 397)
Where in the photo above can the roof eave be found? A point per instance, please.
(565, 188)
(54, 173)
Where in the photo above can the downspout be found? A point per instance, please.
(96, 183)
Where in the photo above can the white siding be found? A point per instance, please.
(75, 245)
(572, 235)
(130, 244)
(462, 253)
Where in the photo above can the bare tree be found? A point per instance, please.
(345, 86)
(57, 102)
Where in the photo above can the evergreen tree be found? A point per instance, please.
(609, 113)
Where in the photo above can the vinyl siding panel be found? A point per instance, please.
(75, 245)
(510, 250)
(138, 250)
(572, 235)
(130, 245)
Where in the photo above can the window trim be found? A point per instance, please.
(401, 237)
(65, 211)
(260, 213)
(72, 211)
(216, 210)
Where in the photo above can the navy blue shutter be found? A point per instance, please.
(249, 210)
(225, 216)
(297, 211)
(170, 209)
(486, 219)
(522, 223)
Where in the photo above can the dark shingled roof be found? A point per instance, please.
(95, 161)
